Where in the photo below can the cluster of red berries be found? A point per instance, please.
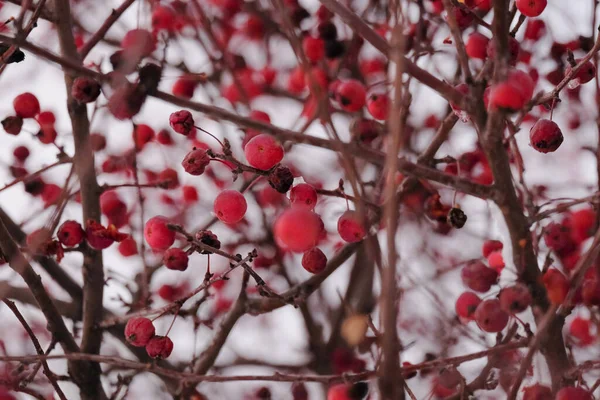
(71, 234)
(140, 332)
(27, 106)
(491, 315)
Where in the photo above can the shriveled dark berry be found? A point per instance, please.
(12, 125)
(457, 218)
(209, 239)
(85, 90)
(358, 391)
(281, 178)
(327, 30)
(15, 57)
(334, 49)
(149, 77)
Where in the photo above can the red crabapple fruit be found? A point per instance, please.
(350, 227)
(230, 206)
(515, 299)
(159, 347)
(158, 235)
(263, 151)
(314, 260)
(176, 259)
(70, 233)
(545, 136)
(26, 105)
(139, 331)
(298, 229)
(351, 95)
(531, 8)
(303, 195)
(490, 317)
(466, 304)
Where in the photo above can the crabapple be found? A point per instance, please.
(490, 317)
(531, 8)
(545, 136)
(139, 331)
(157, 234)
(303, 195)
(70, 233)
(515, 299)
(263, 152)
(230, 206)
(466, 304)
(478, 277)
(314, 260)
(159, 347)
(350, 227)
(176, 259)
(351, 95)
(298, 229)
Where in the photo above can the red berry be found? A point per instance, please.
(159, 347)
(513, 93)
(573, 393)
(190, 194)
(545, 136)
(513, 50)
(557, 285)
(164, 137)
(515, 299)
(490, 317)
(21, 153)
(582, 224)
(142, 134)
(350, 227)
(139, 331)
(114, 208)
(558, 237)
(157, 234)
(182, 122)
(50, 194)
(97, 141)
(96, 235)
(476, 46)
(263, 152)
(351, 95)
(314, 260)
(537, 392)
(138, 43)
(466, 304)
(580, 329)
(184, 87)
(85, 90)
(176, 259)
(586, 73)
(535, 29)
(12, 125)
(128, 247)
(303, 195)
(531, 8)
(195, 162)
(490, 246)
(314, 48)
(230, 206)
(478, 277)
(163, 18)
(171, 293)
(169, 177)
(70, 233)
(298, 229)
(378, 105)
(496, 261)
(26, 105)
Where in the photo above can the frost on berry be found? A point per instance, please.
(182, 122)
(314, 260)
(159, 347)
(230, 206)
(298, 229)
(157, 234)
(350, 227)
(139, 331)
